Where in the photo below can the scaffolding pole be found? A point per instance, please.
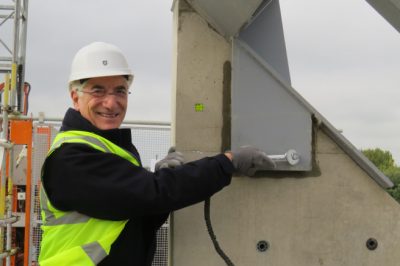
(13, 61)
(13, 15)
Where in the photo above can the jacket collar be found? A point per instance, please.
(73, 120)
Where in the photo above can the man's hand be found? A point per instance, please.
(248, 160)
(172, 160)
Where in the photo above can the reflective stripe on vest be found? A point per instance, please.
(72, 238)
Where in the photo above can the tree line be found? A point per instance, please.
(384, 161)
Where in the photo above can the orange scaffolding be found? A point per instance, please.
(21, 134)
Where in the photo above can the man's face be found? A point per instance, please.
(103, 102)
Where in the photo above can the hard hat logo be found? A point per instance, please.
(85, 64)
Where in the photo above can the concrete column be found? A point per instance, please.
(202, 77)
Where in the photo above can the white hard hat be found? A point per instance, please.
(99, 59)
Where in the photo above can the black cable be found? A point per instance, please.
(19, 87)
(210, 230)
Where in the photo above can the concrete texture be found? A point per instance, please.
(323, 220)
(318, 219)
(199, 79)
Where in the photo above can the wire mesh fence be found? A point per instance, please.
(152, 142)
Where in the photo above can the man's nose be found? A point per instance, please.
(110, 100)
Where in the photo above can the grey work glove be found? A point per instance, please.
(248, 160)
(173, 159)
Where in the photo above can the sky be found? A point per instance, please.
(343, 59)
(141, 29)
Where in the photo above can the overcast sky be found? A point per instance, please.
(343, 57)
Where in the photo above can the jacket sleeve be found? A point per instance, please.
(105, 186)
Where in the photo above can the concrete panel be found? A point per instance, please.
(324, 220)
(202, 72)
(320, 219)
(326, 146)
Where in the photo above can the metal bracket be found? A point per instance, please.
(6, 221)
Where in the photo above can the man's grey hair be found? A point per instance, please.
(77, 85)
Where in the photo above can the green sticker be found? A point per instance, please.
(199, 107)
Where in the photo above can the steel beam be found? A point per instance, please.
(389, 9)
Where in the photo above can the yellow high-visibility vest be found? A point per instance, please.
(72, 238)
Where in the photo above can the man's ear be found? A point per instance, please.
(75, 98)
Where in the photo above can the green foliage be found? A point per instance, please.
(393, 173)
(384, 161)
(395, 192)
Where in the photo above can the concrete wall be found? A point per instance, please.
(201, 59)
(323, 217)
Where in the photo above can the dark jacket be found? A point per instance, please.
(79, 178)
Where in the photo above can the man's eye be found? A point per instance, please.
(97, 92)
(122, 92)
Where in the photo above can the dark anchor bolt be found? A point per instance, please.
(262, 246)
(372, 243)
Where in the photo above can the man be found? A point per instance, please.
(99, 205)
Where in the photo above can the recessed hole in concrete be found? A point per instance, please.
(262, 246)
(372, 243)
